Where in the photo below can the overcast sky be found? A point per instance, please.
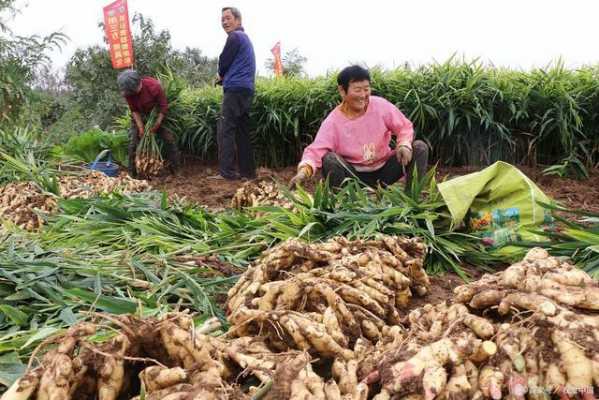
(333, 33)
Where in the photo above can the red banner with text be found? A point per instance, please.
(278, 66)
(118, 34)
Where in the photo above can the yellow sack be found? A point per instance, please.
(498, 203)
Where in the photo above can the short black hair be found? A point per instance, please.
(353, 73)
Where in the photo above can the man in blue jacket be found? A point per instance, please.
(236, 73)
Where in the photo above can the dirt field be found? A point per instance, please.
(194, 184)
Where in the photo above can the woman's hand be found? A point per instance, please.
(303, 173)
(404, 154)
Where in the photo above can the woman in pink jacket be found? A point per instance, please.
(353, 141)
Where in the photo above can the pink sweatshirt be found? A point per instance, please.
(364, 141)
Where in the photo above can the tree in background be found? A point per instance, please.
(92, 80)
(293, 63)
(22, 60)
(93, 96)
(50, 97)
(194, 67)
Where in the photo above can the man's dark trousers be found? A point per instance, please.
(234, 135)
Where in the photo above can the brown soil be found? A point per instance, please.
(442, 287)
(193, 182)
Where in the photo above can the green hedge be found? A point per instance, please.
(470, 114)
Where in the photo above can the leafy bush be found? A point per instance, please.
(87, 145)
(25, 155)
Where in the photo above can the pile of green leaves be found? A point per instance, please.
(46, 289)
(117, 254)
(131, 222)
(148, 224)
(576, 236)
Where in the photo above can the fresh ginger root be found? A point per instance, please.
(429, 361)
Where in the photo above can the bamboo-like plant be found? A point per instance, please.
(470, 113)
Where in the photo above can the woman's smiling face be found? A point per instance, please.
(357, 95)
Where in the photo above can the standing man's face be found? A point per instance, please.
(229, 22)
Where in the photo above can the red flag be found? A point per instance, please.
(276, 52)
(118, 34)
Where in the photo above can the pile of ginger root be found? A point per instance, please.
(27, 206)
(260, 193)
(333, 321)
(530, 331)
